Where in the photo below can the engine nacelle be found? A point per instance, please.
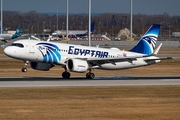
(77, 65)
(40, 66)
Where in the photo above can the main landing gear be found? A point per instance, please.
(90, 75)
(66, 74)
(24, 69)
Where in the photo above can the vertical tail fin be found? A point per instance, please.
(17, 33)
(148, 42)
(92, 27)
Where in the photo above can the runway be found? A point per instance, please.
(6, 82)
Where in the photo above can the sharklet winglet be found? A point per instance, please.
(157, 49)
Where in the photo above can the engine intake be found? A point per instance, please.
(77, 65)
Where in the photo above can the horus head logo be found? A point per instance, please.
(50, 52)
(151, 39)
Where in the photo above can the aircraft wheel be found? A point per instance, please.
(90, 75)
(87, 75)
(66, 75)
(24, 70)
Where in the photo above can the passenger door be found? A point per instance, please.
(31, 47)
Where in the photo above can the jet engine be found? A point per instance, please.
(40, 66)
(77, 65)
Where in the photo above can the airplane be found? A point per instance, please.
(4, 37)
(74, 33)
(43, 55)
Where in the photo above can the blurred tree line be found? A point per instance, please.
(106, 23)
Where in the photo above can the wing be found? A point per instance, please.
(100, 61)
(2, 38)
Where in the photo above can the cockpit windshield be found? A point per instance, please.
(17, 44)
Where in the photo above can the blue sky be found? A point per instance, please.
(150, 7)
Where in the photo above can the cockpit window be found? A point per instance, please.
(17, 44)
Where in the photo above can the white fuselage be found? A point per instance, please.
(59, 53)
(70, 32)
(5, 36)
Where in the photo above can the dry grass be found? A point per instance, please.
(12, 67)
(169, 51)
(91, 103)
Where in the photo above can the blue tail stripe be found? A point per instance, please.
(147, 43)
(142, 47)
(17, 33)
(92, 27)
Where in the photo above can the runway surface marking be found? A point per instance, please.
(81, 81)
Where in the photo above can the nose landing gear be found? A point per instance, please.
(24, 69)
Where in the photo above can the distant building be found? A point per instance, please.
(124, 34)
(176, 34)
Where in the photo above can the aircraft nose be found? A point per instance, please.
(9, 51)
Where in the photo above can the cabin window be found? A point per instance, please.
(18, 45)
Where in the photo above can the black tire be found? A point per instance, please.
(66, 75)
(87, 75)
(92, 76)
(24, 70)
